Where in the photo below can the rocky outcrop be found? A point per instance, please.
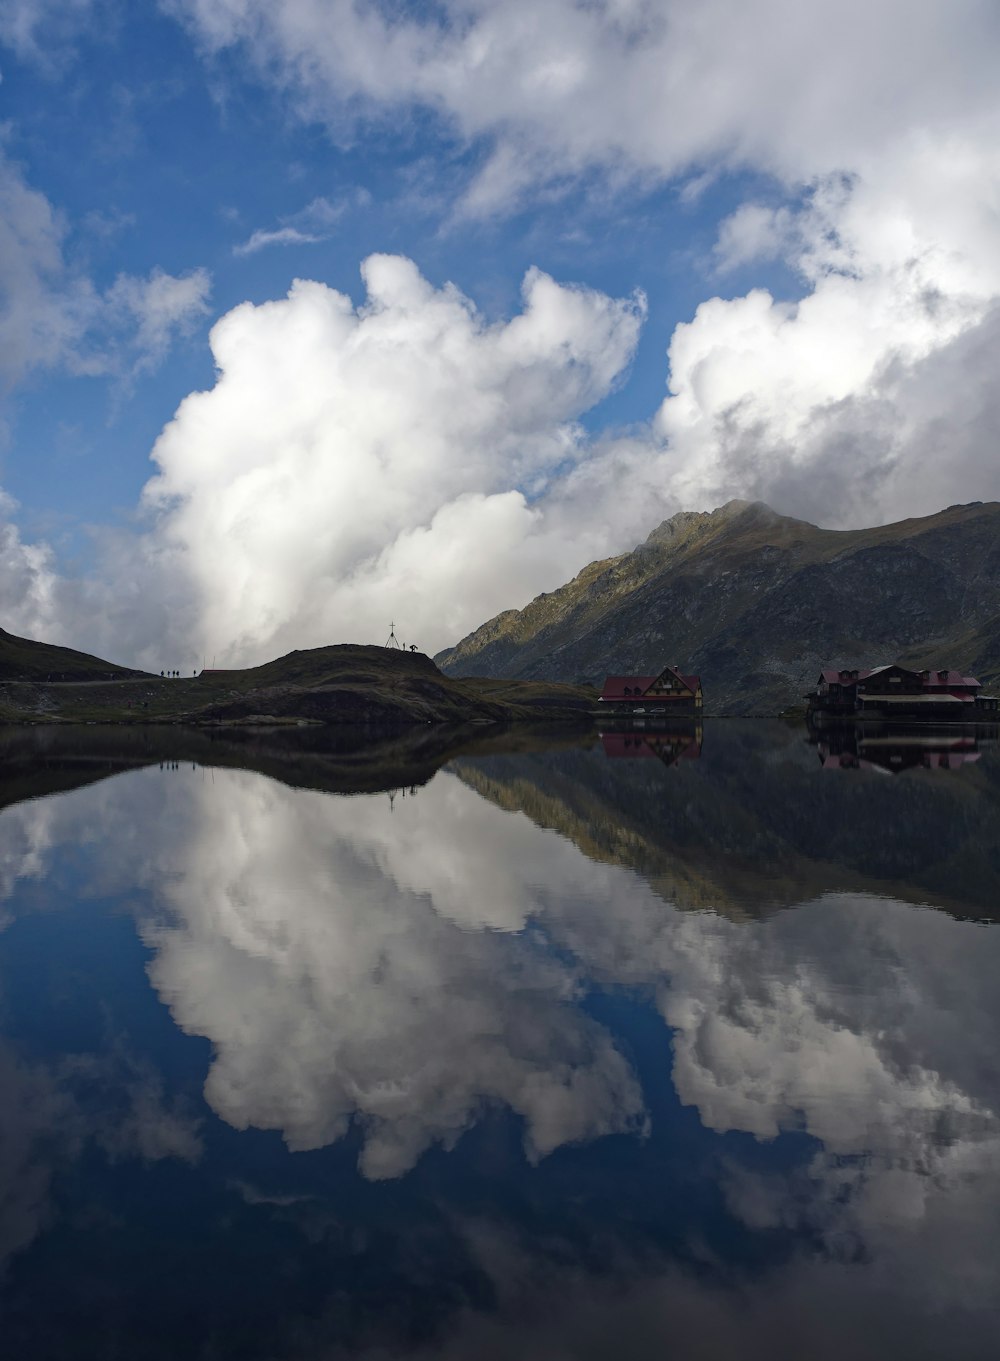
(757, 603)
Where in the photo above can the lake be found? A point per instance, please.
(652, 1045)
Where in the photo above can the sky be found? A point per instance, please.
(317, 315)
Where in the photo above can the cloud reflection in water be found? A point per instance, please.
(398, 967)
(405, 970)
(348, 961)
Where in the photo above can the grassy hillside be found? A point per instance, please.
(24, 659)
(369, 687)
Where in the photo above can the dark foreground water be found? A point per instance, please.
(634, 1049)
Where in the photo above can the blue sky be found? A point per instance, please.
(157, 160)
(791, 231)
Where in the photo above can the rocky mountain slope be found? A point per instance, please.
(757, 603)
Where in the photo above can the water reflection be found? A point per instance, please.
(892, 748)
(754, 825)
(526, 1086)
(680, 743)
(388, 981)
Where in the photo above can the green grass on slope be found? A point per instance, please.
(24, 659)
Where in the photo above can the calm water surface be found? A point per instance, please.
(639, 1048)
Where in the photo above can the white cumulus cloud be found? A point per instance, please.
(867, 397)
(353, 465)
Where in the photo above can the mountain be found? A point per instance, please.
(23, 659)
(758, 603)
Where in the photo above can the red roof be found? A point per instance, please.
(614, 686)
(930, 680)
(834, 677)
(936, 679)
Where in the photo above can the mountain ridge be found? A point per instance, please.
(758, 602)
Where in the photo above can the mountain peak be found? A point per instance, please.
(687, 523)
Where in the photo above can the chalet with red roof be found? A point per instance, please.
(896, 691)
(658, 696)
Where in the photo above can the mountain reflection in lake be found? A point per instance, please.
(546, 1054)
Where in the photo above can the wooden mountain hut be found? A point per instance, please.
(897, 692)
(669, 692)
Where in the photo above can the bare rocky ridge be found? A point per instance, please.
(758, 602)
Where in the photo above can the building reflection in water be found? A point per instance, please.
(682, 742)
(894, 749)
